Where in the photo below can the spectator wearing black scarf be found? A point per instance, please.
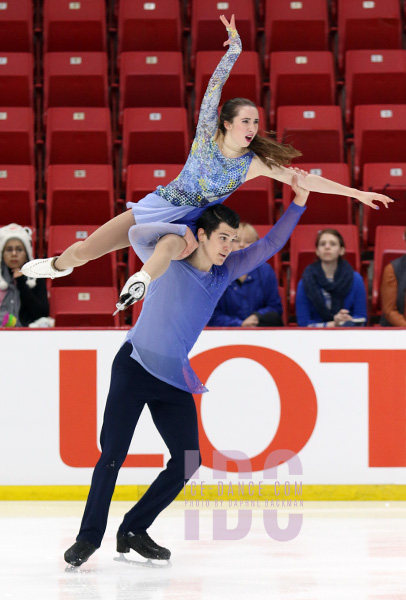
(330, 293)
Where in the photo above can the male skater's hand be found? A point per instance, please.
(191, 244)
(301, 193)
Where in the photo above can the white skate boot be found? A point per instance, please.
(134, 290)
(43, 267)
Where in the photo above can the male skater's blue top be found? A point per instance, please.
(179, 304)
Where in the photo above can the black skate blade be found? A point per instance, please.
(148, 563)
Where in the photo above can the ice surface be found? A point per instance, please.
(345, 550)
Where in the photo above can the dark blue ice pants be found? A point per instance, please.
(174, 414)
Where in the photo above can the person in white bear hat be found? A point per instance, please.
(23, 300)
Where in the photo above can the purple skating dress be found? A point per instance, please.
(208, 177)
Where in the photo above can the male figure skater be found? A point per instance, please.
(152, 367)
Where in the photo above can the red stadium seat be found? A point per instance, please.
(379, 135)
(374, 77)
(16, 26)
(17, 195)
(78, 136)
(303, 251)
(207, 30)
(254, 201)
(84, 306)
(74, 26)
(79, 194)
(388, 179)
(149, 26)
(144, 179)
(148, 80)
(389, 245)
(100, 272)
(324, 208)
(296, 26)
(16, 79)
(244, 80)
(75, 80)
(316, 131)
(157, 135)
(301, 78)
(16, 136)
(275, 260)
(368, 25)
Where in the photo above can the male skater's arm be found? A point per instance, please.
(243, 261)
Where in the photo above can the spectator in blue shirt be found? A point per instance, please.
(253, 299)
(330, 293)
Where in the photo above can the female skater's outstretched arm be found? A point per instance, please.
(315, 183)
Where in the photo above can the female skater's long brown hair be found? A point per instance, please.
(267, 149)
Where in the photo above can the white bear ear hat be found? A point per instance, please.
(24, 234)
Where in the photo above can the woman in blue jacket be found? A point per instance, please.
(330, 293)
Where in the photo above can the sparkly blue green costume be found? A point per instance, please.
(208, 177)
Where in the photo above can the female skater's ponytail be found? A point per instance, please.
(267, 149)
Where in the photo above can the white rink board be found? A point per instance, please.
(242, 411)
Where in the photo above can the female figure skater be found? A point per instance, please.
(226, 152)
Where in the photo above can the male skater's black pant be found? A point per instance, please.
(174, 414)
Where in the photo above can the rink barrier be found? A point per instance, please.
(133, 493)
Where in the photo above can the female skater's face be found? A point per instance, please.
(218, 246)
(329, 248)
(243, 128)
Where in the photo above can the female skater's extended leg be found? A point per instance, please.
(111, 236)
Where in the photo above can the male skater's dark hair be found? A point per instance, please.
(214, 215)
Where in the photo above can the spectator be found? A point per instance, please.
(253, 299)
(22, 300)
(393, 289)
(330, 293)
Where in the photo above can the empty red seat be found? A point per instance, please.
(374, 77)
(389, 245)
(316, 131)
(74, 25)
(207, 30)
(379, 135)
(99, 272)
(296, 26)
(16, 79)
(303, 251)
(300, 79)
(388, 179)
(16, 136)
(368, 25)
(79, 194)
(154, 135)
(78, 136)
(244, 80)
(151, 79)
(144, 179)
(254, 201)
(75, 80)
(149, 25)
(83, 306)
(324, 208)
(16, 26)
(17, 195)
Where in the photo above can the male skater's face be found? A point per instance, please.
(219, 245)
